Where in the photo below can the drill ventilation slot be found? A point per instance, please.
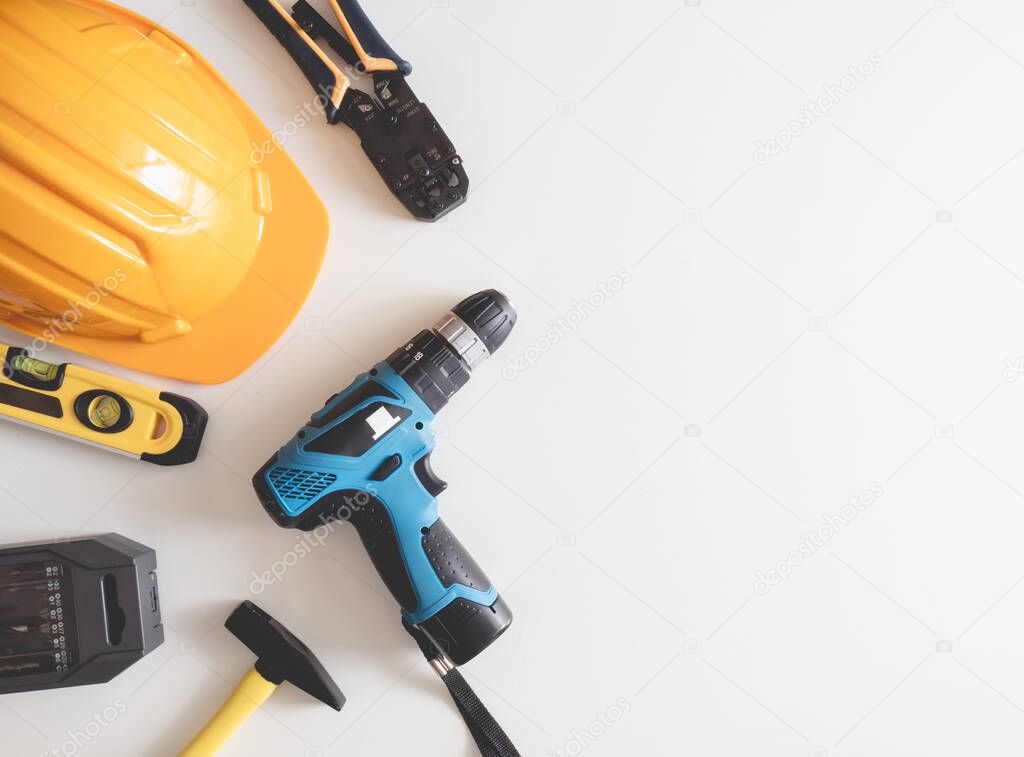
(302, 485)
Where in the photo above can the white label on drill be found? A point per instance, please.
(381, 421)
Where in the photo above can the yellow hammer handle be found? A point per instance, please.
(252, 692)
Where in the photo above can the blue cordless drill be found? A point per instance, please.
(365, 458)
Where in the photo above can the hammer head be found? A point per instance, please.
(281, 656)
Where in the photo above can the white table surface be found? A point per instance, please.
(841, 319)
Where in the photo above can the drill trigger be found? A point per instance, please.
(430, 480)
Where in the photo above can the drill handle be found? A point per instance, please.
(451, 562)
(439, 585)
(376, 528)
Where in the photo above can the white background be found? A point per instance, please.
(846, 316)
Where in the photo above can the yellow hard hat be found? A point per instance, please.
(146, 215)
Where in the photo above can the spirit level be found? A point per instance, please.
(157, 427)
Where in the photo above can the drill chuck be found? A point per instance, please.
(437, 362)
(462, 339)
(490, 315)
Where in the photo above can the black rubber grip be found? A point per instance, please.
(369, 37)
(463, 628)
(316, 71)
(377, 532)
(452, 563)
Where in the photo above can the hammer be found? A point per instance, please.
(280, 657)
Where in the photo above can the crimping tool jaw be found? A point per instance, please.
(436, 191)
(407, 145)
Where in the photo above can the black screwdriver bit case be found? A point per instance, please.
(75, 612)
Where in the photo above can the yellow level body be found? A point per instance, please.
(103, 410)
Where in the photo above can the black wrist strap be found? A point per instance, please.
(488, 735)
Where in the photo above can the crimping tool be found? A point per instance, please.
(399, 134)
